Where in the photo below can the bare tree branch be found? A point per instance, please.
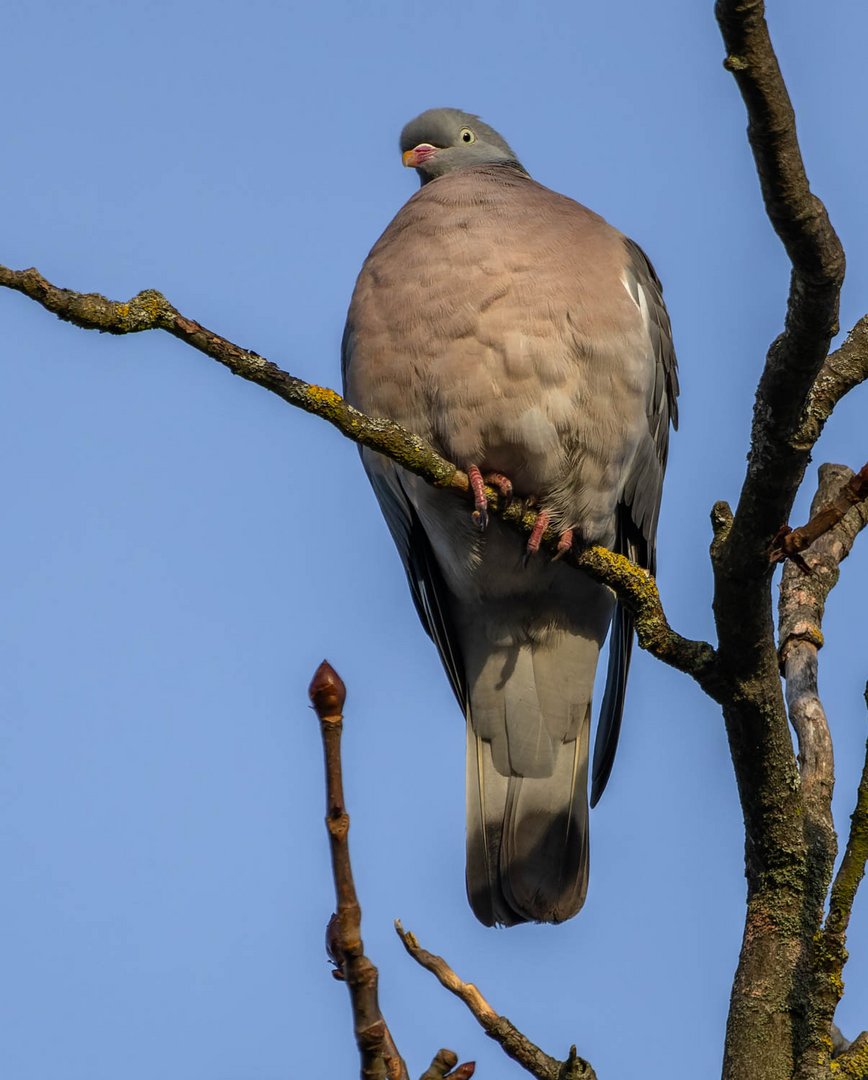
(775, 465)
(842, 370)
(801, 607)
(517, 1046)
(789, 542)
(852, 868)
(844, 889)
(765, 1033)
(379, 1055)
(775, 468)
(149, 310)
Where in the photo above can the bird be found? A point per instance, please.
(527, 341)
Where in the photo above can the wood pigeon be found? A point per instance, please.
(527, 340)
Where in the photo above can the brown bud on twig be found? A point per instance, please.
(327, 691)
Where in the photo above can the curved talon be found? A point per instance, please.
(565, 539)
(535, 538)
(479, 517)
(565, 542)
(502, 483)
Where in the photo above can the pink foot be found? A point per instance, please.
(477, 486)
(479, 517)
(565, 543)
(565, 539)
(535, 538)
(501, 482)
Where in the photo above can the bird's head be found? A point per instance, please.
(441, 141)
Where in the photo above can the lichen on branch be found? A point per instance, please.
(150, 310)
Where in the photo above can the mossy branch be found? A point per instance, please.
(852, 1064)
(150, 310)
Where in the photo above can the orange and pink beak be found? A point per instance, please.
(413, 158)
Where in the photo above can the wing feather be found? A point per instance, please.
(639, 506)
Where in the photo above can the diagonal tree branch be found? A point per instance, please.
(150, 310)
(517, 1046)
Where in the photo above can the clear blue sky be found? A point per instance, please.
(180, 549)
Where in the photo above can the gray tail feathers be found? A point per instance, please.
(527, 777)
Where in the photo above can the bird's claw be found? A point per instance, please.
(503, 485)
(565, 543)
(536, 535)
(479, 517)
(565, 539)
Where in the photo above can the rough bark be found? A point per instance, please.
(766, 1028)
(801, 607)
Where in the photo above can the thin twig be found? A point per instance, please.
(516, 1045)
(790, 542)
(379, 1056)
(150, 310)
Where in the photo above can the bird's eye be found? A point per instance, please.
(467, 136)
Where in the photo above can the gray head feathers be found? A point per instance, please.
(441, 141)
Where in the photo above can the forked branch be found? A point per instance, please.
(517, 1046)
